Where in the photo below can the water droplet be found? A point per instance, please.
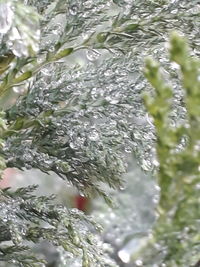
(108, 73)
(18, 48)
(27, 157)
(112, 100)
(175, 66)
(175, 11)
(73, 10)
(149, 119)
(46, 72)
(92, 55)
(88, 3)
(94, 136)
(122, 187)
(6, 17)
(124, 256)
(139, 262)
(157, 188)
(19, 89)
(156, 199)
(155, 163)
(137, 135)
(146, 165)
(128, 150)
(198, 186)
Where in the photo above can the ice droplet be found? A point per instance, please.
(15, 35)
(88, 4)
(46, 72)
(138, 263)
(156, 163)
(27, 157)
(112, 100)
(122, 187)
(124, 256)
(6, 17)
(92, 55)
(108, 73)
(146, 165)
(94, 136)
(156, 199)
(198, 186)
(73, 10)
(149, 119)
(19, 89)
(128, 149)
(19, 48)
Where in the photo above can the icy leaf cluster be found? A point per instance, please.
(79, 131)
(94, 113)
(21, 217)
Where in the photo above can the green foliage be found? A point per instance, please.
(178, 152)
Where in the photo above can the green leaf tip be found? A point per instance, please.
(178, 48)
(26, 75)
(63, 53)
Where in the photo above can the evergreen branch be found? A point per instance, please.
(25, 223)
(178, 173)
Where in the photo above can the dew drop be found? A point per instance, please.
(198, 186)
(108, 73)
(6, 17)
(124, 256)
(88, 4)
(19, 48)
(156, 199)
(156, 163)
(15, 34)
(138, 262)
(92, 55)
(149, 119)
(112, 100)
(122, 187)
(73, 10)
(146, 165)
(157, 188)
(19, 89)
(128, 150)
(94, 136)
(46, 72)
